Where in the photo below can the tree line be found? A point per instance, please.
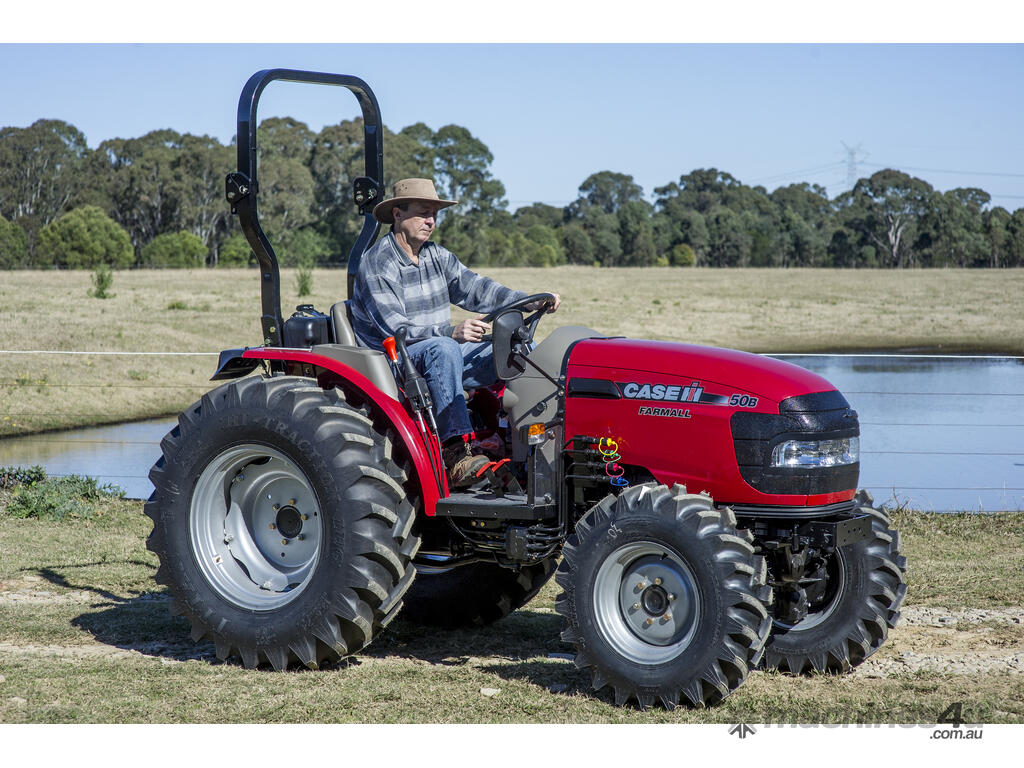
(158, 201)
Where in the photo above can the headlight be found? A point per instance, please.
(812, 454)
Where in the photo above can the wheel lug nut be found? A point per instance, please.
(671, 596)
(649, 621)
(284, 542)
(291, 502)
(658, 581)
(304, 517)
(641, 584)
(636, 606)
(667, 617)
(301, 536)
(272, 526)
(277, 507)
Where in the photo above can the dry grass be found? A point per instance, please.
(86, 636)
(189, 311)
(964, 560)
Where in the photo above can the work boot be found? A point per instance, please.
(462, 465)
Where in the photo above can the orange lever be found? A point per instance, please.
(389, 348)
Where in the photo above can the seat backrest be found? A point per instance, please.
(341, 318)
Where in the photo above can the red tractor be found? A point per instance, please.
(697, 506)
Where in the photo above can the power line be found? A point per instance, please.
(902, 488)
(892, 355)
(940, 394)
(70, 352)
(946, 170)
(935, 424)
(788, 174)
(102, 386)
(940, 453)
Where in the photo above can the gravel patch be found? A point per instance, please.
(930, 616)
(167, 653)
(31, 590)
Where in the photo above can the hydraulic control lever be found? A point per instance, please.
(416, 389)
(418, 394)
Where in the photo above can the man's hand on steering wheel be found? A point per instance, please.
(470, 330)
(548, 302)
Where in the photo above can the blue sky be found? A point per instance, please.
(553, 114)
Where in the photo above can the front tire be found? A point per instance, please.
(281, 524)
(664, 598)
(866, 586)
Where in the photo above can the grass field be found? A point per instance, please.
(86, 636)
(206, 311)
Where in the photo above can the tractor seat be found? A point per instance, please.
(341, 319)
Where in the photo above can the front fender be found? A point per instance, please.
(411, 437)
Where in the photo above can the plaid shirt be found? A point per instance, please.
(391, 291)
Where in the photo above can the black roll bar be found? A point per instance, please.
(242, 186)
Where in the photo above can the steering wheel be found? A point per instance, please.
(530, 323)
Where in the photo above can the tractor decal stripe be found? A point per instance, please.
(674, 393)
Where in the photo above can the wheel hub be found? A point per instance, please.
(289, 521)
(654, 600)
(818, 602)
(647, 603)
(255, 526)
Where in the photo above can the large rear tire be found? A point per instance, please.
(861, 602)
(664, 598)
(473, 595)
(281, 523)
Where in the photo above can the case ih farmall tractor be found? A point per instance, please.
(697, 506)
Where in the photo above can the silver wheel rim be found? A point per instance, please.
(646, 602)
(256, 527)
(822, 614)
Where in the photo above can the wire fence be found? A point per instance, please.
(930, 455)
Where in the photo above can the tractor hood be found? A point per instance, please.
(764, 377)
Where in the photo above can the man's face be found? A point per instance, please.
(417, 222)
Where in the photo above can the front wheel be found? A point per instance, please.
(664, 598)
(850, 614)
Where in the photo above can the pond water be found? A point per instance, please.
(944, 433)
(941, 433)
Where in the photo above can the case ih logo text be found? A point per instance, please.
(692, 393)
(671, 392)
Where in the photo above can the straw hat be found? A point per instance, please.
(409, 191)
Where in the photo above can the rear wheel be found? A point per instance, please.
(664, 598)
(281, 524)
(849, 617)
(472, 595)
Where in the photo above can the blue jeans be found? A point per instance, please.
(450, 367)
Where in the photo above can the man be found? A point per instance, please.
(407, 280)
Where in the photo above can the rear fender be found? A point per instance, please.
(391, 408)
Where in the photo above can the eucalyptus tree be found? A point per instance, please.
(39, 172)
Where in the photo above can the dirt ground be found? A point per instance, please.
(928, 639)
